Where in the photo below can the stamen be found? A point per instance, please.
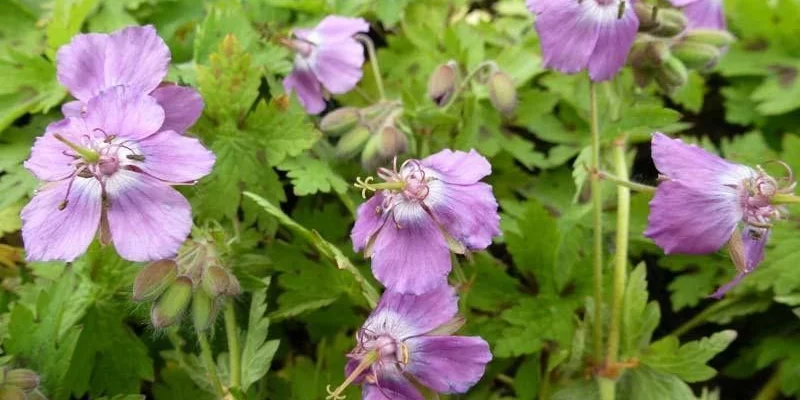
(366, 185)
(621, 11)
(135, 157)
(63, 205)
(365, 363)
(87, 154)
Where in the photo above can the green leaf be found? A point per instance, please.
(282, 132)
(29, 85)
(390, 12)
(9, 219)
(644, 383)
(689, 360)
(257, 352)
(311, 176)
(692, 93)
(224, 18)
(639, 319)
(66, 21)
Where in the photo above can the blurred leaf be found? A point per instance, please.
(66, 21)
(689, 360)
(257, 352)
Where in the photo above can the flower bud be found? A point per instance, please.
(713, 37)
(371, 156)
(502, 92)
(442, 83)
(203, 310)
(153, 279)
(670, 23)
(234, 289)
(215, 281)
(696, 55)
(24, 379)
(393, 142)
(36, 395)
(649, 53)
(8, 392)
(340, 120)
(171, 305)
(351, 142)
(672, 74)
(647, 15)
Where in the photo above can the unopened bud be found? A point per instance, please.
(351, 142)
(234, 288)
(203, 310)
(340, 120)
(371, 156)
(647, 15)
(215, 281)
(393, 142)
(8, 392)
(442, 83)
(649, 53)
(502, 92)
(672, 74)
(171, 305)
(670, 23)
(696, 55)
(713, 37)
(36, 395)
(24, 379)
(153, 279)
(642, 76)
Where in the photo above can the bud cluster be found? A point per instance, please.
(665, 50)
(374, 131)
(19, 384)
(196, 278)
(443, 86)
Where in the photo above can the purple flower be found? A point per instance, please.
(702, 202)
(595, 35)
(703, 14)
(410, 336)
(326, 57)
(135, 57)
(423, 210)
(111, 171)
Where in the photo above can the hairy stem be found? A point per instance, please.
(620, 181)
(211, 367)
(234, 352)
(597, 208)
(700, 317)
(373, 60)
(491, 65)
(772, 389)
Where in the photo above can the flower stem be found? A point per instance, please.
(211, 368)
(772, 389)
(619, 181)
(365, 363)
(463, 86)
(597, 208)
(700, 317)
(620, 259)
(234, 352)
(373, 60)
(785, 198)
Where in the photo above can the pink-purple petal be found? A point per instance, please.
(137, 58)
(614, 42)
(693, 165)
(182, 106)
(448, 364)
(568, 36)
(390, 385)
(338, 65)
(303, 81)
(755, 240)
(73, 108)
(336, 27)
(406, 315)
(706, 14)
(468, 213)
(50, 233)
(81, 65)
(173, 157)
(49, 160)
(148, 219)
(124, 113)
(690, 220)
(412, 257)
(369, 220)
(458, 167)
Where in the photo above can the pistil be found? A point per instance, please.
(365, 363)
(89, 155)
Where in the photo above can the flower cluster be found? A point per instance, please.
(704, 202)
(108, 167)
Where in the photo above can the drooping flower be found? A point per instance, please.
(135, 57)
(421, 212)
(705, 14)
(326, 57)
(411, 336)
(593, 35)
(111, 171)
(704, 202)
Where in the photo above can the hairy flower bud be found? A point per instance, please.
(649, 53)
(351, 142)
(203, 310)
(696, 55)
(215, 281)
(502, 92)
(171, 305)
(24, 379)
(647, 15)
(370, 156)
(672, 74)
(393, 142)
(340, 120)
(670, 23)
(442, 83)
(713, 37)
(153, 279)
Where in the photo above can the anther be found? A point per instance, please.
(63, 205)
(621, 11)
(135, 157)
